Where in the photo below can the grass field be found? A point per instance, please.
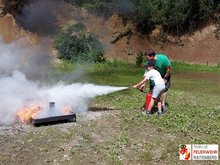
(122, 135)
(194, 107)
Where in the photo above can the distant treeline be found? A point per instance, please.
(174, 16)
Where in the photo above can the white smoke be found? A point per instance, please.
(11, 59)
(77, 95)
(17, 91)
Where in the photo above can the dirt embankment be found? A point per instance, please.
(121, 39)
(200, 47)
(9, 30)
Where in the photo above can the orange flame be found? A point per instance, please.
(26, 114)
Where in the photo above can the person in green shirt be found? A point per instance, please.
(163, 66)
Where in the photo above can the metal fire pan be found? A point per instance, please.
(54, 120)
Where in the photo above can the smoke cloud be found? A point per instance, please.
(39, 17)
(18, 59)
(20, 55)
(25, 68)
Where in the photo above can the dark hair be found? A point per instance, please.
(151, 63)
(150, 53)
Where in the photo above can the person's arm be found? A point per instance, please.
(168, 68)
(140, 83)
(167, 72)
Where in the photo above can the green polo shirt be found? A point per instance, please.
(161, 64)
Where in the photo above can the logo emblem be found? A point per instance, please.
(185, 152)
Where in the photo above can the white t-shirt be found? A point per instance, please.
(154, 76)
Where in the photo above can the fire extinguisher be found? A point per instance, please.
(148, 98)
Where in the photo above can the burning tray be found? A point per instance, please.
(54, 120)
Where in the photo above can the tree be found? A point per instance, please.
(75, 45)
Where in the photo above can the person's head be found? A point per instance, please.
(150, 65)
(150, 54)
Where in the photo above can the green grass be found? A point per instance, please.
(185, 77)
(193, 97)
(110, 73)
(125, 136)
(182, 66)
(196, 80)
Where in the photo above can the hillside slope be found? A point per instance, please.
(200, 47)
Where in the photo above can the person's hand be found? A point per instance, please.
(165, 80)
(134, 86)
(142, 88)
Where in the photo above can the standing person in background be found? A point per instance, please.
(163, 66)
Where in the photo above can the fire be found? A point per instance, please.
(27, 113)
(67, 109)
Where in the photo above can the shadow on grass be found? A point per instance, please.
(97, 109)
(155, 108)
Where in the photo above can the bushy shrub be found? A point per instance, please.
(139, 59)
(75, 45)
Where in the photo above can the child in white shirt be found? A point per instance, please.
(158, 86)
